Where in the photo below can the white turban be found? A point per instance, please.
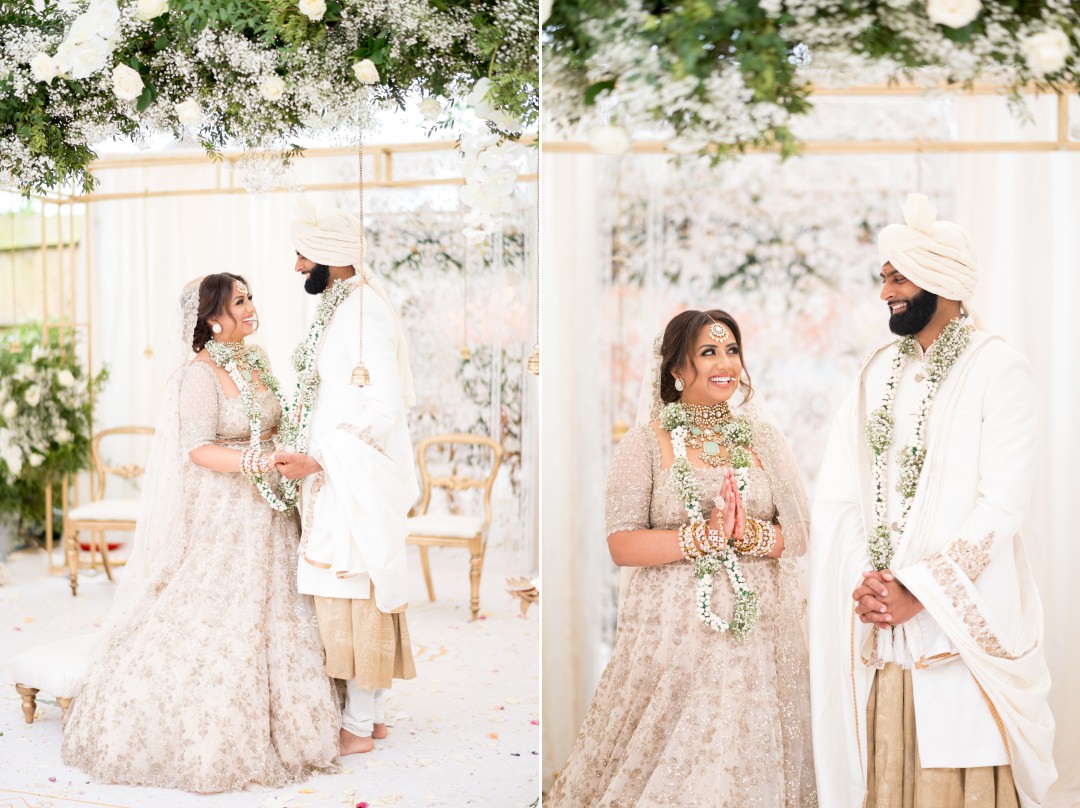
(335, 238)
(328, 237)
(935, 256)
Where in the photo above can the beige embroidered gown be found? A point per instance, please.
(685, 716)
(217, 681)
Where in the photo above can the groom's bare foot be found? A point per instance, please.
(379, 732)
(349, 744)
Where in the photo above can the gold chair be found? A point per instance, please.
(454, 529)
(101, 514)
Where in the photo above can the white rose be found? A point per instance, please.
(80, 60)
(953, 13)
(366, 72)
(13, 457)
(36, 459)
(65, 378)
(43, 67)
(272, 88)
(11, 409)
(313, 9)
(609, 140)
(189, 112)
(64, 436)
(127, 83)
(32, 395)
(148, 9)
(1047, 51)
(430, 109)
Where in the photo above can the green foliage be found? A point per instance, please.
(407, 44)
(700, 39)
(46, 434)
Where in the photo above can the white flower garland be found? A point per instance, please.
(223, 357)
(940, 358)
(739, 435)
(294, 434)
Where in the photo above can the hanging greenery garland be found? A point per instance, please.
(253, 73)
(727, 76)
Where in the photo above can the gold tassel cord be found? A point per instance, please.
(361, 377)
(534, 360)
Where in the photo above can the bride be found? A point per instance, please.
(705, 703)
(211, 676)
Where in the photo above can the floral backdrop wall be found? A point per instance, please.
(467, 313)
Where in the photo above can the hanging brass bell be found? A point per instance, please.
(466, 354)
(534, 362)
(148, 352)
(360, 375)
(15, 346)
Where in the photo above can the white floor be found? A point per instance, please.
(465, 731)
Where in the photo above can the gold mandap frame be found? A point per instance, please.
(66, 287)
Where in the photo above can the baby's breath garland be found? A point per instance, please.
(738, 435)
(239, 365)
(294, 434)
(940, 358)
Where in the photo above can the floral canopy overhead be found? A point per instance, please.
(726, 76)
(256, 73)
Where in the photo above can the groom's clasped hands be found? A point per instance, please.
(883, 599)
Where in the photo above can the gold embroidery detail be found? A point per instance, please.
(997, 719)
(875, 661)
(318, 479)
(944, 573)
(854, 697)
(362, 434)
(970, 557)
(922, 663)
(315, 563)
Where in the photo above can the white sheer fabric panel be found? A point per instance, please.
(573, 472)
(1021, 211)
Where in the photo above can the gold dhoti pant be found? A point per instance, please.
(364, 644)
(894, 778)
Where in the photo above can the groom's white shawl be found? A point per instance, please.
(961, 555)
(355, 510)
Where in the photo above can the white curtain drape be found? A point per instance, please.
(1021, 211)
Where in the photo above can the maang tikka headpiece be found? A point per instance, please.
(718, 332)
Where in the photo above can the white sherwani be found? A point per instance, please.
(354, 511)
(979, 674)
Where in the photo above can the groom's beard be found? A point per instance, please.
(920, 310)
(317, 280)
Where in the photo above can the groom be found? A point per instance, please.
(352, 449)
(928, 676)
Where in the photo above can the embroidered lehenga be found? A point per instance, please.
(213, 679)
(683, 715)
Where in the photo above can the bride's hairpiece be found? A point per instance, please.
(718, 332)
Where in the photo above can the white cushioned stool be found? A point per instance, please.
(57, 667)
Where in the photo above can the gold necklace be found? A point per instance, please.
(239, 351)
(706, 431)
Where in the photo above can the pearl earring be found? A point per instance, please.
(216, 328)
(680, 385)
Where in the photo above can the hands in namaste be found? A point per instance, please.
(729, 516)
(883, 600)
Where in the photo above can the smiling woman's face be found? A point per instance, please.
(713, 374)
(239, 318)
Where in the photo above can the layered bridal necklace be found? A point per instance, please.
(242, 362)
(940, 358)
(705, 428)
